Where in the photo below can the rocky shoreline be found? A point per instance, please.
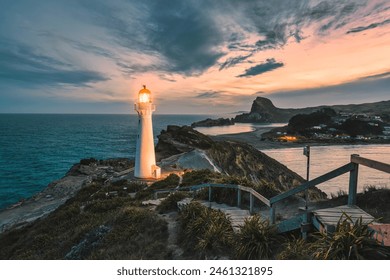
(59, 191)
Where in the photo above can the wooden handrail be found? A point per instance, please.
(323, 178)
(229, 186)
(371, 163)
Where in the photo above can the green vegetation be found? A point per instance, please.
(91, 225)
(356, 127)
(295, 249)
(170, 182)
(301, 122)
(170, 202)
(350, 241)
(198, 177)
(256, 239)
(207, 231)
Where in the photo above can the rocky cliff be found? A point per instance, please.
(264, 111)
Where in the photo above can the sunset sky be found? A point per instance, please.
(197, 57)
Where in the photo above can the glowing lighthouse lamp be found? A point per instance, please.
(145, 159)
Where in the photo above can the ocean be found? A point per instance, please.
(36, 149)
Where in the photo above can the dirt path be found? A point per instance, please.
(171, 219)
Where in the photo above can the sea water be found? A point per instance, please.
(36, 149)
(327, 158)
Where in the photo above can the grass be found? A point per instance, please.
(170, 182)
(198, 177)
(91, 225)
(350, 241)
(256, 239)
(169, 204)
(205, 231)
(295, 249)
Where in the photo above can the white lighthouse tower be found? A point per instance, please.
(145, 158)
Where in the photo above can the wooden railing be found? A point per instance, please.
(252, 193)
(352, 167)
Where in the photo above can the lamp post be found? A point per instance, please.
(306, 152)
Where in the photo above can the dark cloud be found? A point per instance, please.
(267, 66)
(234, 61)
(275, 38)
(278, 21)
(385, 75)
(321, 11)
(333, 15)
(210, 94)
(180, 32)
(186, 36)
(371, 26)
(25, 65)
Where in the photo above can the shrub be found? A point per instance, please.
(267, 189)
(169, 182)
(146, 193)
(350, 241)
(256, 239)
(198, 177)
(295, 249)
(170, 203)
(207, 231)
(136, 233)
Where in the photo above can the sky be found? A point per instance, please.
(196, 56)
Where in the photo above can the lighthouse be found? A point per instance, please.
(145, 158)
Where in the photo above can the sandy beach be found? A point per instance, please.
(254, 139)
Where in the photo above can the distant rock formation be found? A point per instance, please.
(264, 111)
(213, 122)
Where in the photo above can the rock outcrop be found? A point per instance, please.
(213, 122)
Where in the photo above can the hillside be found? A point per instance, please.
(264, 111)
(227, 157)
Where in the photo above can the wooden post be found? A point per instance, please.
(353, 180)
(238, 198)
(210, 193)
(250, 203)
(272, 217)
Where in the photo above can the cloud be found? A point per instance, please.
(267, 66)
(185, 38)
(211, 94)
(385, 75)
(22, 65)
(230, 62)
(371, 26)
